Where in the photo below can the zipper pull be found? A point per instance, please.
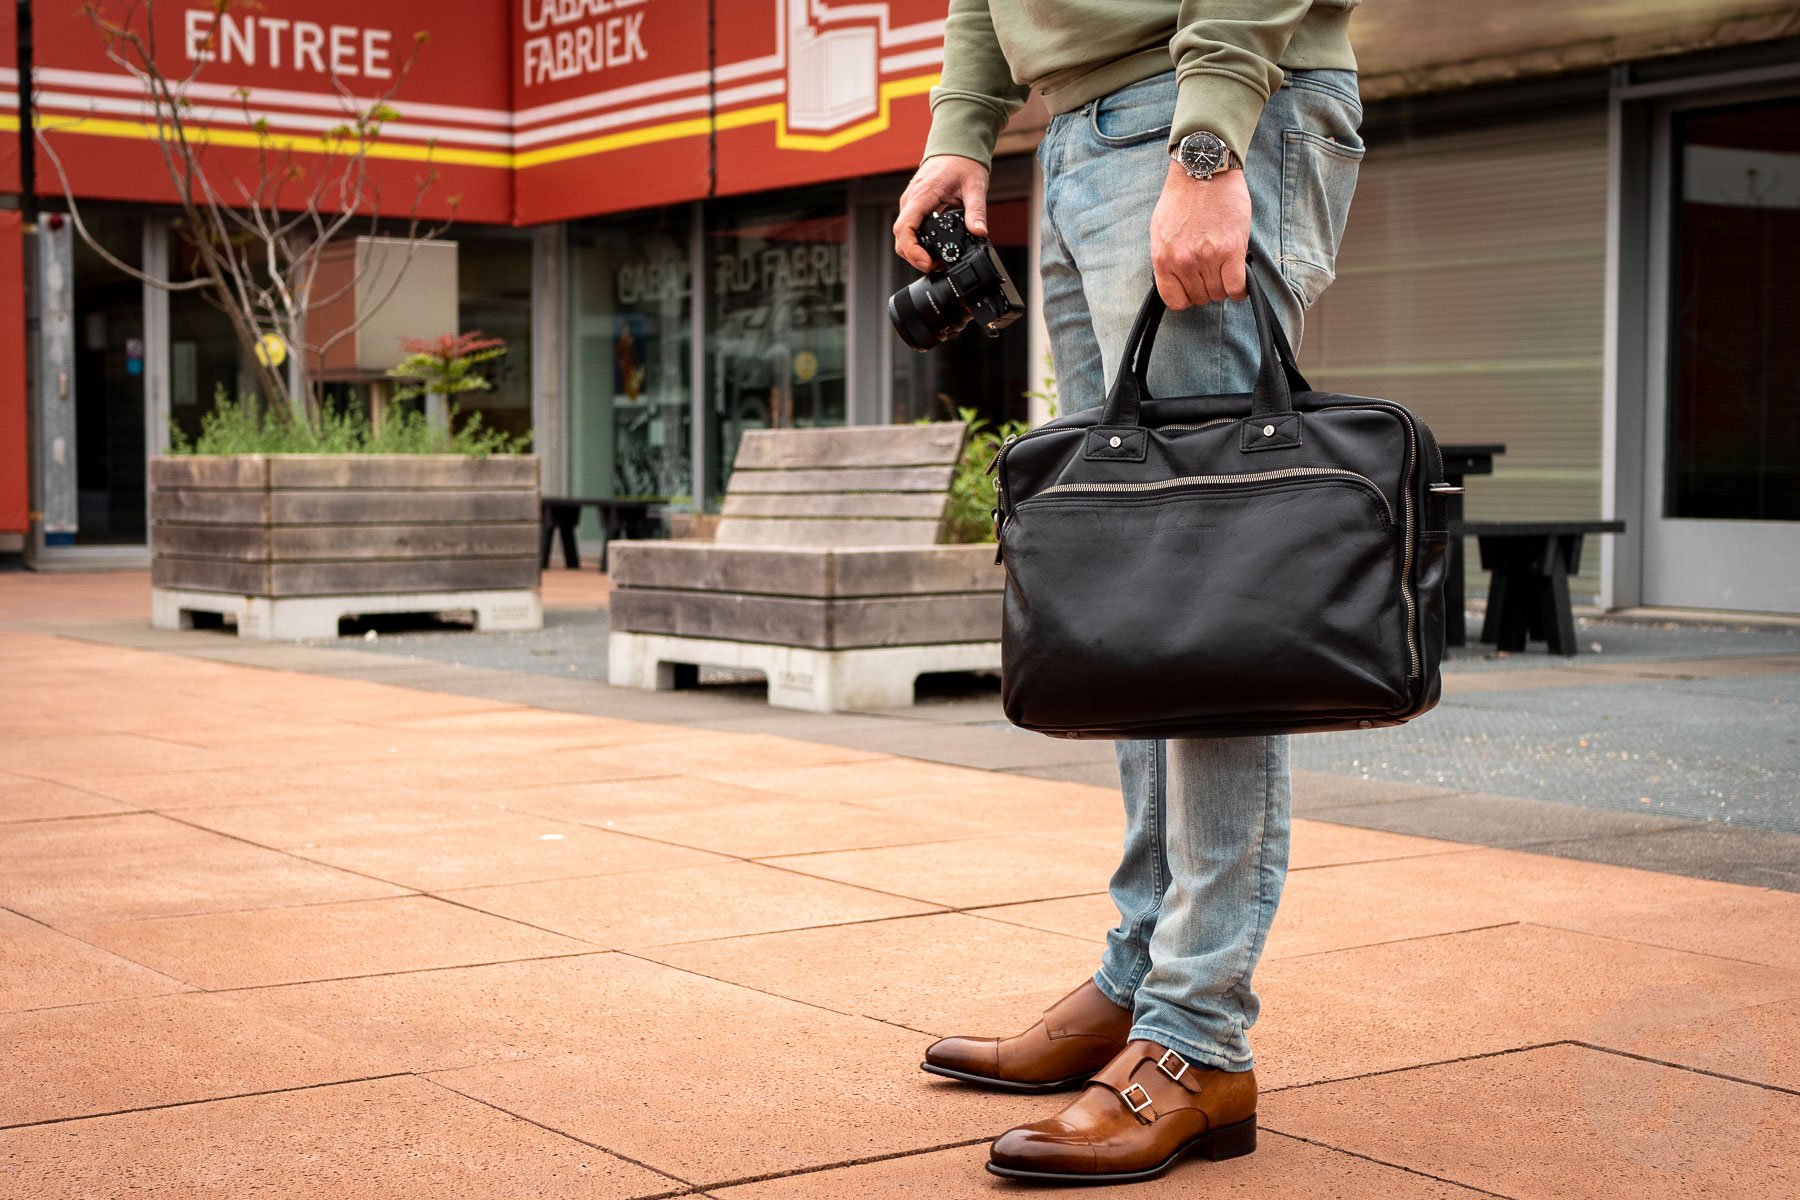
(994, 462)
(995, 514)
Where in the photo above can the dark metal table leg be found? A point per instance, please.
(1455, 624)
(566, 520)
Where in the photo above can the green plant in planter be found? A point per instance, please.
(246, 426)
(969, 517)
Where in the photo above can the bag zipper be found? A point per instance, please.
(1187, 481)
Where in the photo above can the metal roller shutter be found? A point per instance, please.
(1470, 287)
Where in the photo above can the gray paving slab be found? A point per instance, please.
(1604, 640)
(1749, 856)
(1491, 820)
(1679, 753)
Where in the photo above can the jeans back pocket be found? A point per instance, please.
(1319, 165)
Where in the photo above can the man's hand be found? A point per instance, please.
(942, 181)
(1199, 237)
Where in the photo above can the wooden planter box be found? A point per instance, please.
(289, 543)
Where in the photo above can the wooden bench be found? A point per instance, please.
(1528, 590)
(560, 514)
(826, 575)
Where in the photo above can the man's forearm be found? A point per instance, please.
(976, 95)
(1225, 54)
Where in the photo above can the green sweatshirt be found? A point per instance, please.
(1227, 55)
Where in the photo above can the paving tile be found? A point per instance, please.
(1488, 887)
(323, 941)
(1559, 1122)
(445, 844)
(1398, 1004)
(1093, 774)
(970, 873)
(712, 1082)
(99, 1058)
(1086, 917)
(35, 800)
(393, 1138)
(870, 781)
(937, 974)
(65, 759)
(605, 804)
(1320, 844)
(773, 827)
(684, 904)
(1281, 1169)
(700, 752)
(173, 791)
(42, 968)
(144, 865)
(990, 747)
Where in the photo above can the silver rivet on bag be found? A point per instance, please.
(1268, 431)
(1115, 442)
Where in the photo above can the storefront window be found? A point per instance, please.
(109, 382)
(205, 360)
(494, 278)
(1734, 412)
(631, 385)
(775, 321)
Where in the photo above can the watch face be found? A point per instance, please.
(1202, 154)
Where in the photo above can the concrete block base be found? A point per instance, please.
(290, 618)
(813, 680)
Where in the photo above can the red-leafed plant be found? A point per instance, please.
(445, 366)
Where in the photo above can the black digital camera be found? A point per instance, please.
(970, 286)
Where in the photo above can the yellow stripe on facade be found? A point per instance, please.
(692, 127)
(741, 118)
(251, 140)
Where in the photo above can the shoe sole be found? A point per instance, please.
(1230, 1141)
(1007, 1085)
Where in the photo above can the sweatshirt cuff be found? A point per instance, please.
(1220, 103)
(964, 126)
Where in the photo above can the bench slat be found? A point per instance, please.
(890, 505)
(803, 570)
(853, 446)
(826, 531)
(816, 624)
(843, 479)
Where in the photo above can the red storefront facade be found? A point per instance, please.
(528, 122)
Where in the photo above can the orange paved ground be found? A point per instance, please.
(281, 934)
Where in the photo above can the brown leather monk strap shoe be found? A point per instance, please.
(1137, 1117)
(1077, 1036)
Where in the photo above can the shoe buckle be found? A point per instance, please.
(1162, 1064)
(1137, 1108)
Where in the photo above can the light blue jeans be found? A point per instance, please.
(1206, 838)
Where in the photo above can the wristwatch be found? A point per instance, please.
(1203, 155)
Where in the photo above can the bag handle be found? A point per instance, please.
(1277, 376)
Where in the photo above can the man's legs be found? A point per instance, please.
(1205, 849)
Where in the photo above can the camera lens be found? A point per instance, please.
(927, 312)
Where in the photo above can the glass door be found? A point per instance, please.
(1723, 520)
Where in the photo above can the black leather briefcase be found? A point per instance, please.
(1218, 566)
